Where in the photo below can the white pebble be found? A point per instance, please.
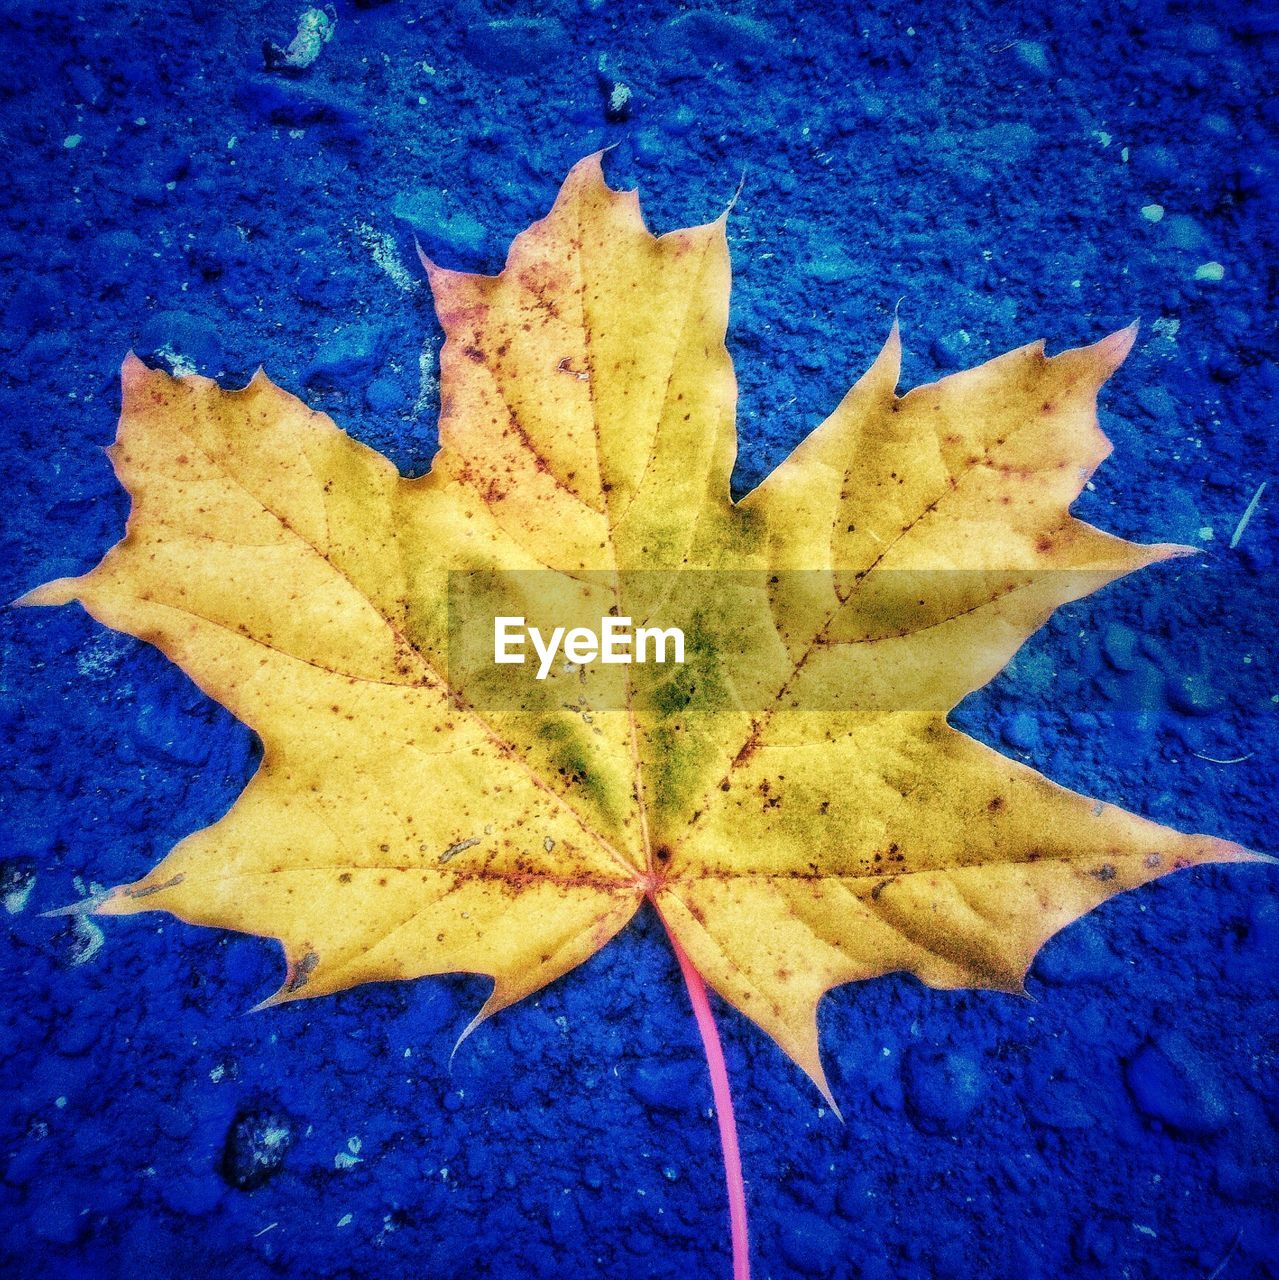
(1210, 271)
(1152, 212)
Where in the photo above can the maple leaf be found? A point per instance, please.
(791, 799)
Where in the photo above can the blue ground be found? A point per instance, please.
(997, 169)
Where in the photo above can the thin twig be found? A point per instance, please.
(1247, 515)
(1230, 1253)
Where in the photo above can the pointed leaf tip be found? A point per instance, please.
(1114, 347)
(59, 591)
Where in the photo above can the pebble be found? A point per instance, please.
(1156, 164)
(56, 1220)
(943, 1088)
(1192, 694)
(830, 264)
(347, 358)
(384, 395)
(87, 86)
(32, 307)
(1119, 644)
(1157, 403)
(1080, 955)
(1021, 732)
(1201, 38)
(113, 260)
(680, 122)
(951, 351)
(1062, 1105)
(711, 36)
(873, 106)
(17, 879)
(454, 238)
(1152, 212)
(1012, 143)
(256, 1145)
(294, 105)
(1032, 56)
(182, 342)
(194, 1194)
(515, 46)
(1210, 271)
(1184, 233)
(669, 1086)
(811, 1244)
(1170, 1081)
(649, 147)
(164, 732)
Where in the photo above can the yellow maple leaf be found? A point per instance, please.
(790, 798)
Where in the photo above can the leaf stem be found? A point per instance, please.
(723, 1109)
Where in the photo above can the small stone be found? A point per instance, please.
(293, 105)
(1201, 38)
(514, 46)
(811, 1244)
(347, 358)
(1152, 212)
(942, 1088)
(952, 350)
(256, 1145)
(649, 147)
(1210, 271)
(1156, 164)
(17, 879)
(72, 141)
(314, 31)
(56, 1220)
(1193, 694)
(1157, 403)
(667, 1085)
(1021, 732)
(181, 342)
(383, 395)
(1119, 644)
(1170, 1081)
(1032, 56)
(680, 122)
(164, 732)
(711, 36)
(86, 85)
(617, 103)
(1080, 955)
(194, 1195)
(1013, 143)
(831, 265)
(873, 107)
(449, 234)
(1184, 233)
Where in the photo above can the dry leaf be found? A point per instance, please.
(791, 798)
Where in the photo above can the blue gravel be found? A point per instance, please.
(993, 174)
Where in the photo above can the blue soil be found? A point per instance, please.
(988, 167)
